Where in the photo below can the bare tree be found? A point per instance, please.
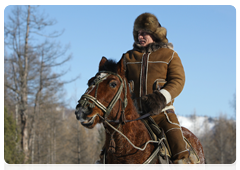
(234, 103)
(220, 143)
(30, 73)
(195, 126)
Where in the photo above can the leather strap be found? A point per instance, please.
(153, 158)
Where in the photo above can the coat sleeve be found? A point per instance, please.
(175, 78)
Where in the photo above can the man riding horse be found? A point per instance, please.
(157, 75)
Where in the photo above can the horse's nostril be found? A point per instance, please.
(86, 110)
(77, 113)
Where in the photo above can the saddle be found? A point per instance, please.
(162, 150)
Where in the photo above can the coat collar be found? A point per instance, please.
(152, 47)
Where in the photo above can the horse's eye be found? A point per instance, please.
(113, 84)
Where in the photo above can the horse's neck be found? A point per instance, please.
(132, 130)
(135, 132)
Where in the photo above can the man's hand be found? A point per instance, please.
(153, 103)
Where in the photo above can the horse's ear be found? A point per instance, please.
(121, 66)
(102, 62)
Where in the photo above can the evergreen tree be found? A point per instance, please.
(12, 154)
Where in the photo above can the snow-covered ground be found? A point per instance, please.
(198, 124)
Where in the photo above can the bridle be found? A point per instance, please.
(107, 110)
(84, 101)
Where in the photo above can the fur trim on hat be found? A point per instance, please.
(152, 47)
(149, 23)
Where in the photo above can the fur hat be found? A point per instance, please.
(149, 23)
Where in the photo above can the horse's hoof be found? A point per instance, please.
(98, 165)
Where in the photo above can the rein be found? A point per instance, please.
(126, 121)
(142, 149)
(107, 110)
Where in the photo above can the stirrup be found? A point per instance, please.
(159, 134)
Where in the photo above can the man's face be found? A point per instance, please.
(144, 38)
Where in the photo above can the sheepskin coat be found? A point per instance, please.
(155, 67)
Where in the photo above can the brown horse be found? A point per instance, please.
(108, 101)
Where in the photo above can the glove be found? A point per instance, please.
(153, 103)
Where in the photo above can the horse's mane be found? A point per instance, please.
(109, 65)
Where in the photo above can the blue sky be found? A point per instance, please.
(203, 36)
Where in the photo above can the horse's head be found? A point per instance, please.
(105, 96)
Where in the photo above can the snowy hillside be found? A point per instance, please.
(197, 124)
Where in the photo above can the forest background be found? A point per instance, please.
(38, 127)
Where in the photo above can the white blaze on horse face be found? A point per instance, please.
(102, 76)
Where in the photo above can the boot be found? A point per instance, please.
(186, 163)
